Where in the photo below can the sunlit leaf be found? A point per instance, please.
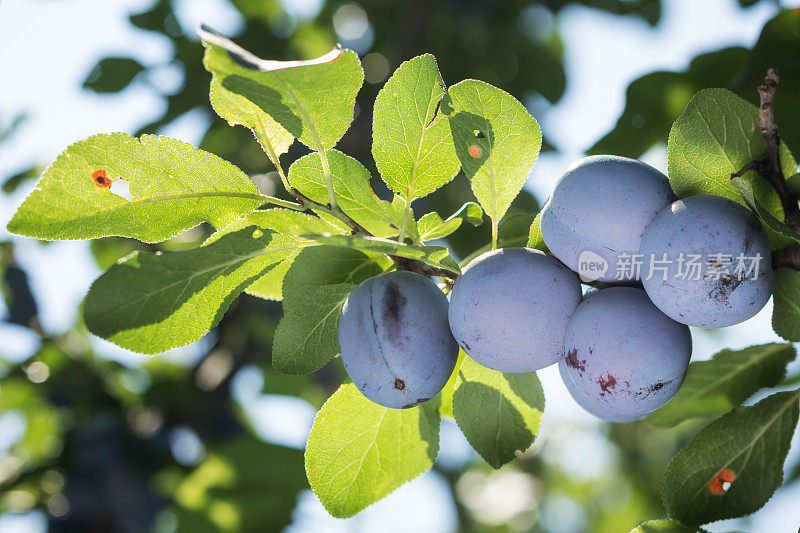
(173, 187)
(734, 465)
(358, 451)
(716, 386)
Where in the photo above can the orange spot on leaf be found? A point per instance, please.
(100, 178)
(475, 151)
(717, 485)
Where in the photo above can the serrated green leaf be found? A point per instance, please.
(664, 526)
(431, 226)
(745, 188)
(174, 187)
(496, 140)
(746, 448)
(312, 100)
(315, 288)
(269, 286)
(354, 194)
(238, 110)
(153, 302)
(499, 412)
(729, 378)
(786, 304)
(535, 239)
(437, 256)
(411, 142)
(715, 136)
(358, 451)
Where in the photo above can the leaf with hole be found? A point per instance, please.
(496, 140)
(734, 465)
(173, 187)
(716, 386)
(358, 451)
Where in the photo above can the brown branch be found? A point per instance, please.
(770, 169)
(412, 265)
(788, 257)
(773, 172)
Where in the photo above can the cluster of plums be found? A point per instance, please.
(622, 351)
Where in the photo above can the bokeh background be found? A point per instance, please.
(209, 437)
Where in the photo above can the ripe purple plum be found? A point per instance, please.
(624, 357)
(706, 262)
(395, 340)
(510, 308)
(598, 212)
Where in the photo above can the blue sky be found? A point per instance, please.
(48, 48)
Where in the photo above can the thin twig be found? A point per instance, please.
(412, 265)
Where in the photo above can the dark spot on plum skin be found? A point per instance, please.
(418, 402)
(573, 361)
(723, 288)
(465, 345)
(653, 387)
(607, 383)
(393, 304)
(399, 384)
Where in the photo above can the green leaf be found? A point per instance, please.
(153, 302)
(411, 142)
(746, 447)
(238, 110)
(112, 74)
(449, 389)
(715, 136)
(496, 140)
(535, 239)
(716, 386)
(315, 288)
(353, 192)
(745, 188)
(794, 183)
(431, 226)
(664, 526)
(437, 256)
(174, 186)
(358, 451)
(269, 286)
(499, 412)
(312, 100)
(786, 301)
